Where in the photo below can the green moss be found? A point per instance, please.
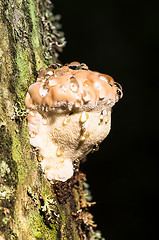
(24, 75)
(8, 175)
(70, 222)
(8, 166)
(10, 235)
(16, 148)
(19, 2)
(39, 229)
(35, 36)
(20, 153)
(1, 53)
(25, 135)
(45, 191)
(18, 156)
(63, 225)
(23, 64)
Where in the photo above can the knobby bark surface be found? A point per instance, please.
(31, 207)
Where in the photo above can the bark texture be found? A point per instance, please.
(31, 207)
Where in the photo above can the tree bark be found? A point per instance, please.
(31, 207)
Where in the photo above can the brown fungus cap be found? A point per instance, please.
(69, 112)
(72, 87)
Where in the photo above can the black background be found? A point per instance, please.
(121, 38)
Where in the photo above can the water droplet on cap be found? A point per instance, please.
(82, 138)
(83, 129)
(74, 85)
(119, 92)
(95, 148)
(47, 168)
(78, 104)
(97, 85)
(109, 101)
(101, 117)
(118, 85)
(84, 116)
(107, 119)
(52, 82)
(101, 95)
(59, 72)
(32, 113)
(44, 121)
(65, 68)
(103, 78)
(87, 83)
(63, 87)
(50, 73)
(43, 91)
(65, 122)
(58, 152)
(32, 134)
(47, 76)
(86, 97)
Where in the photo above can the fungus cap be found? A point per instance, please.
(69, 111)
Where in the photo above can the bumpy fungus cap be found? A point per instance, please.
(69, 112)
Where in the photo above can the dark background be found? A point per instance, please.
(121, 38)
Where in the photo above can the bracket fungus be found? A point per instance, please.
(69, 112)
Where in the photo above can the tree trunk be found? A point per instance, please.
(31, 207)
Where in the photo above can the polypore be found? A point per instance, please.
(69, 112)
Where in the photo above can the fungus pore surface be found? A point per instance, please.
(69, 112)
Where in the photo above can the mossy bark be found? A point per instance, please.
(31, 207)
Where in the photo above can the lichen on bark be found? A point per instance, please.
(30, 207)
